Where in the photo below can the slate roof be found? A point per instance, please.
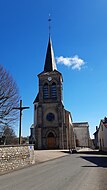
(81, 124)
(50, 64)
(36, 99)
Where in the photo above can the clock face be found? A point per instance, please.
(49, 78)
(50, 117)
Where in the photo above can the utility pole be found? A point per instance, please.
(20, 121)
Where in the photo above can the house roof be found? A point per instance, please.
(104, 122)
(81, 124)
(96, 132)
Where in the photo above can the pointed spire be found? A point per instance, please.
(50, 64)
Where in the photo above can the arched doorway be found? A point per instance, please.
(51, 141)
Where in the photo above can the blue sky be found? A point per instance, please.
(78, 29)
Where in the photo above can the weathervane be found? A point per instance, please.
(49, 20)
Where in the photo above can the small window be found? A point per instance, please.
(45, 91)
(53, 91)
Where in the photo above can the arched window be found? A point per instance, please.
(53, 90)
(45, 91)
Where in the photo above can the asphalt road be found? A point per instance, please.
(72, 172)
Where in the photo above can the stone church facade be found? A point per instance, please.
(52, 123)
(53, 127)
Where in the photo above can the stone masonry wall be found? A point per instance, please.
(13, 157)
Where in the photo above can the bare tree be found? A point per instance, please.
(9, 98)
(9, 135)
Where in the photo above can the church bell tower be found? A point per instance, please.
(48, 105)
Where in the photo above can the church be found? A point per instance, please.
(52, 123)
(53, 127)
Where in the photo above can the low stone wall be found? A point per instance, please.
(13, 157)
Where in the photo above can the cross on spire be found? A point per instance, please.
(49, 20)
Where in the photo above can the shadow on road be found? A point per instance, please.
(99, 161)
(95, 157)
(97, 152)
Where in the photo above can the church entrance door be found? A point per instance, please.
(51, 142)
